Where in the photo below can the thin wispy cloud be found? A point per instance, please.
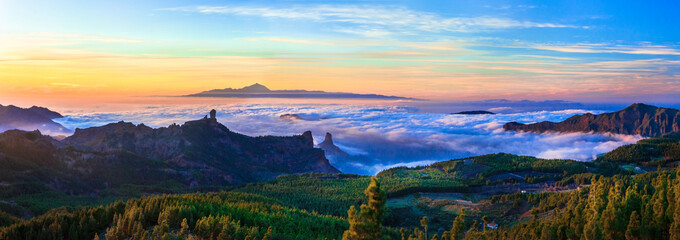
(376, 21)
(546, 57)
(604, 48)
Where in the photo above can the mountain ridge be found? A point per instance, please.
(29, 119)
(206, 141)
(636, 119)
(260, 91)
(199, 154)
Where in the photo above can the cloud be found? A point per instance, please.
(375, 21)
(546, 57)
(604, 48)
(387, 136)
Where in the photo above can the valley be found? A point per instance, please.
(339, 120)
(504, 191)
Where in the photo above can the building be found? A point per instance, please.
(492, 225)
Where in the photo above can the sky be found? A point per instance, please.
(99, 51)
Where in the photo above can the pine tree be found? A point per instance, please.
(268, 235)
(140, 233)
(633, 231)
(423, 223)
(184, 230)
(485, 222)
(458, 226)
(473, 228)
(591, 230)
(546, 234)
(375, 210)
(367, 224)
(609, 218)
(160, 230)
(354, 225)
(675, 226)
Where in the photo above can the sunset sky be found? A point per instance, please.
(613, 51)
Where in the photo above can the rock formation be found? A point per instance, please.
(198, 153)
(329, 147)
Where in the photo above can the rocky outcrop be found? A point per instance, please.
(637, 119)
(201, 153)
(206, 146)
(339, 157)
(329, 147)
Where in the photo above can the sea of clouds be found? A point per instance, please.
(385, 136)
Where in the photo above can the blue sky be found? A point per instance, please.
(619, 51)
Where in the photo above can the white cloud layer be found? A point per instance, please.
(389, 136)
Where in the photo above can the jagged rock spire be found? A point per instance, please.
(328, 139)
(307, 135)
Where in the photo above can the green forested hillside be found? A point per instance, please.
(223, 215)
(620, 207)
(307, 206)
(528, 197)
(652, 151)
(623, 207)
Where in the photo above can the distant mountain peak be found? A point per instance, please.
(640, 106)
(255, 88)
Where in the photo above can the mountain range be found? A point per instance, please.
(260, 91)
(72, 180)
(637, 119)
(29, 119)
(197, 154)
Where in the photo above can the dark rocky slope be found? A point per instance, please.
(209, 147)
(637, 119)
(199, 153)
